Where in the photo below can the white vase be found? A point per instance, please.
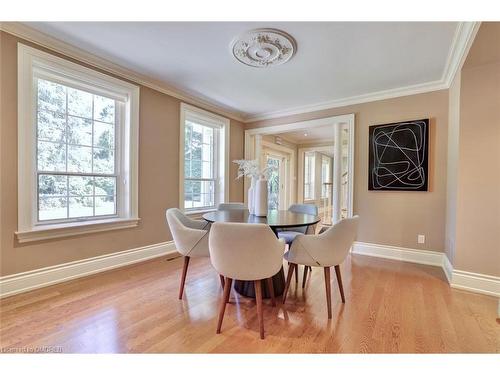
(251, 196)
(260, 200)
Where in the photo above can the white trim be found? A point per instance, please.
(473, 282)
(432, 258)
(447, 268)
(300, 125)
(46, 232)
(358, 99)
(464, 36)
(463, 39)
(25, 32)
(33, 62)
(476, 282)
(252, 151)
(225, 133)
(25, 281)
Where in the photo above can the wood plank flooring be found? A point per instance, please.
(391, 307)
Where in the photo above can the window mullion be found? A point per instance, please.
(66, 139)
(92, 157)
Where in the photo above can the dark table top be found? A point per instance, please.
(275, 218)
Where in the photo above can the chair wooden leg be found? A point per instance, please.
(339, 279)
(221, 281)
(258, 300)
(183, 277)
(296, 274)
(225, 300)
(270, 287)
(328, 292)
(304, 278)
(291, 268)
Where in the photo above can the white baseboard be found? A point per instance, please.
(432, 258)
(25, 281)
(447, 268)
(476, 282)
(473, 282)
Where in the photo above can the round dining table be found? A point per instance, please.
(277, 220)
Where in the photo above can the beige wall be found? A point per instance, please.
(158, 179)
(452, 169)
(478, 197)
(396, 218)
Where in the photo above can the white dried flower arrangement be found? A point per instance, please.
(250, 168)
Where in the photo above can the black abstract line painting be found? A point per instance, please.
(398, 156)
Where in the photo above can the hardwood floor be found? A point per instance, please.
(391, 307)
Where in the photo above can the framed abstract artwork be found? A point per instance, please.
(399, 156)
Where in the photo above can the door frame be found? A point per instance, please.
(290, 176)
(253, 142)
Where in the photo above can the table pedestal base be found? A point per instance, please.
(246, 288)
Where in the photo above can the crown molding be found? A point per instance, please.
(358, 99)
(462, 41)
(27, 33)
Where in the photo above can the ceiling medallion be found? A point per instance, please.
(262, 48)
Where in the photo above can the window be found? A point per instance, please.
(309, 161)
(77, 148)
(325, 175)
(204, 164)
(76, 166)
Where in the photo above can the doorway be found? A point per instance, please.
(335, 165)
(274, 183)
(277, 184)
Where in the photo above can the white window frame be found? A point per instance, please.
(329, 172)
(312, 173)
(222, 160)
(33, 63)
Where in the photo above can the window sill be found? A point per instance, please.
(45, 232)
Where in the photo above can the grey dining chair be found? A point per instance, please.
(231, 206)
(290, 233)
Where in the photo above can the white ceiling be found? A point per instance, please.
(334, 60)
(323, 134)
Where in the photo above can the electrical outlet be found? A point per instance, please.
(421, 238)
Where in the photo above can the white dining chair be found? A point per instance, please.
(248, 252)
(327, 249)
(190, 238)
(231, 206)
(289, 234)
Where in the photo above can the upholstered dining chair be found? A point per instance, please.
(231, 206)
(323, 250)
(290, 233)
(248, 252)
(190, 238)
